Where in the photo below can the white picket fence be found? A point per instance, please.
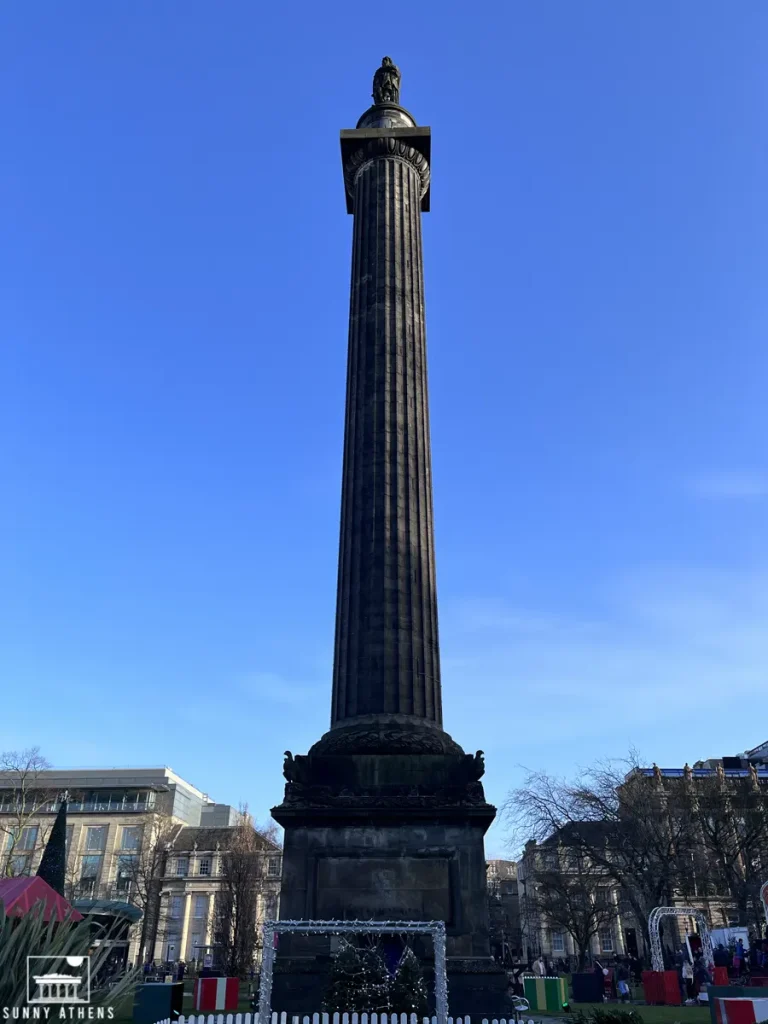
(326, 1018)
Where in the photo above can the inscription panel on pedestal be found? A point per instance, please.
(385, 887)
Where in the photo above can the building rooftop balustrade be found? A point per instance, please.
(700, 773)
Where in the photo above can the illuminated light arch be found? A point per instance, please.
(657, 956)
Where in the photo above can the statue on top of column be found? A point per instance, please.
(386, 82)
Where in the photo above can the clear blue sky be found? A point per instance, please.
(174, 282)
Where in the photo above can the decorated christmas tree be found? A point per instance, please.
(358, 982)
(346, 974)
(408, 990)
(377, 982)
(54, 862)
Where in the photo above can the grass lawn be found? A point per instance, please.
(650, 1014)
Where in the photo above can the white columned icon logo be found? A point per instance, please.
(57, 980)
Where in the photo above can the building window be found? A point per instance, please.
(195, 950)
(95, 838)
(182, 867)
(90, 869)
(90, 866)
(204, 866)
(571, 860)
(558, 942)
(131, 837)
(273, 867)
(135, 801)
(606, 940)
(174, 909)
(27, 839)
(126, 872)
(603, 896)
(70, 831)
(201, 906)
(101, 801)
(20, 864)
(270, 907)
(110, 800)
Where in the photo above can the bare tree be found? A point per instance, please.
(243, 870)
(24, 795)
(570, 892)
(647, 834)
(731, 814)
(141, 872)
(272, 832)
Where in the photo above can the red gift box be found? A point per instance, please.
(653, 987)
(672, 995)
(740, 1011)
(216, 994)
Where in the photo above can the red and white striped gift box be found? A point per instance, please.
(741, 1011)
(216, 993)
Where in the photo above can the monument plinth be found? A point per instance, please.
(384, 817)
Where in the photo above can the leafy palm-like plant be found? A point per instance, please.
(30, 935)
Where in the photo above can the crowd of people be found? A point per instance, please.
(619, 973)
(743, 962)
(159, 969)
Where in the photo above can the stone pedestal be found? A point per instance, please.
(381, 833)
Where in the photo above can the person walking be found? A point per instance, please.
(688, 980)
(721, 956)
(622, 981)
(681, 958)
(737, 960)
(700, 976)
(637, 969)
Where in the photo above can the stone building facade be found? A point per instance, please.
(190, 883)
(504, 910)
(114, 815)
(623, 935)
(540, 936)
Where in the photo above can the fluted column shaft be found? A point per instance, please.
(386, 652)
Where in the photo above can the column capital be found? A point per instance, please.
(359, 147)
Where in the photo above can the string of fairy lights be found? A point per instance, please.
(436, 929)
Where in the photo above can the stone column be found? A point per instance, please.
(386, 650)
(386, 783)
(621, 946)
(164, 924)
(111, 852)
(209, 914)
(185, 926)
